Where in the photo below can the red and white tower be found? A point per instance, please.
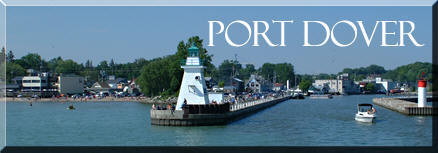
(422, 100)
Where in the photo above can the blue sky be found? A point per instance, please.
(127, 33)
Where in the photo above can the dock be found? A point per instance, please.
(211, 114)
(406, 106)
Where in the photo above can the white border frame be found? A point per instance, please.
(218, 2)
(329, 3)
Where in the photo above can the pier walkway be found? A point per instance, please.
(211, 114)
(405, 105)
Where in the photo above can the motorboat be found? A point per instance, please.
(365, 113)
(71, 107)
(297, 96)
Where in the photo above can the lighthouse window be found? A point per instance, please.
(192, 88)
(197, 77)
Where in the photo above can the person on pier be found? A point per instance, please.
(184, 104)
(153, 107)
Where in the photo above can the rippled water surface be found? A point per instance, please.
(309, 122)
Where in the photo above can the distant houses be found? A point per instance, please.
(44, 84)
(235, 85)
(210, 83)
(257, 84)
(343, 85)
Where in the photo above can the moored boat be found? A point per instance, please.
(321, 96)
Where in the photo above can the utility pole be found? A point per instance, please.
(275, 77)
(233, 73)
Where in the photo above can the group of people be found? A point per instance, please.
(372, 111)
(161, 107)
(247, 97)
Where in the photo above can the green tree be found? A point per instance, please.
(53, 63)
(305, 85)
(225, 70)
(13, 70)
(246, 72)
(68, 67)
(284, 72)
(370, 87)
(267, 71)
(10, 57)
(164, 75)
(410, 72)
(30, 61)
(221, 84)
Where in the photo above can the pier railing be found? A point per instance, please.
(243, 105)
(206, 109)
(225, 107)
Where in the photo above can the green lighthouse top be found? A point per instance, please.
(193, 57)
(193, 51)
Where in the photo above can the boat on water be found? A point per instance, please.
(321, 96)
(71, 107)
(365, 113)
(297, 96)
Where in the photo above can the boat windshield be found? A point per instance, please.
(365, 108)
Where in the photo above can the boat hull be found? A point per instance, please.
(362, 118)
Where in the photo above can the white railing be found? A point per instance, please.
(242, 105)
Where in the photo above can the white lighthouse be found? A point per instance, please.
(193, 89)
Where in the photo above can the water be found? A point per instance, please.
(309, 122)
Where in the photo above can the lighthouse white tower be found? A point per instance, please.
(193, 88)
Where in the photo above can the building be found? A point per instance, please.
(193, 89)
(35, 83)
(341, 85)
(256, 84)
(117, 83)
(99, 87)
(132, 88)
(238, 85)
(384, 85)
(278, 87)
(18, 80)
(210, 82)
(70, 84)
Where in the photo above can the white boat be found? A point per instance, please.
(365, 113)
(321, 96)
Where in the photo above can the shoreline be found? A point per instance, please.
(145, 100)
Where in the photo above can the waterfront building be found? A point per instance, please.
(210, 83)
(117, 83)
(70, 84)
(101, 87)
(384, 85)
(341, 85)
(236, 85)
(35, 83)
(256, 84)
(193, 89)
(278, 87)
(18, 80)
(132, 88)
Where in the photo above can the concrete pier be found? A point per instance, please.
(198, 115)
(405, 106)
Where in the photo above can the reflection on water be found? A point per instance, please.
(309, 122)
(420, 120)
